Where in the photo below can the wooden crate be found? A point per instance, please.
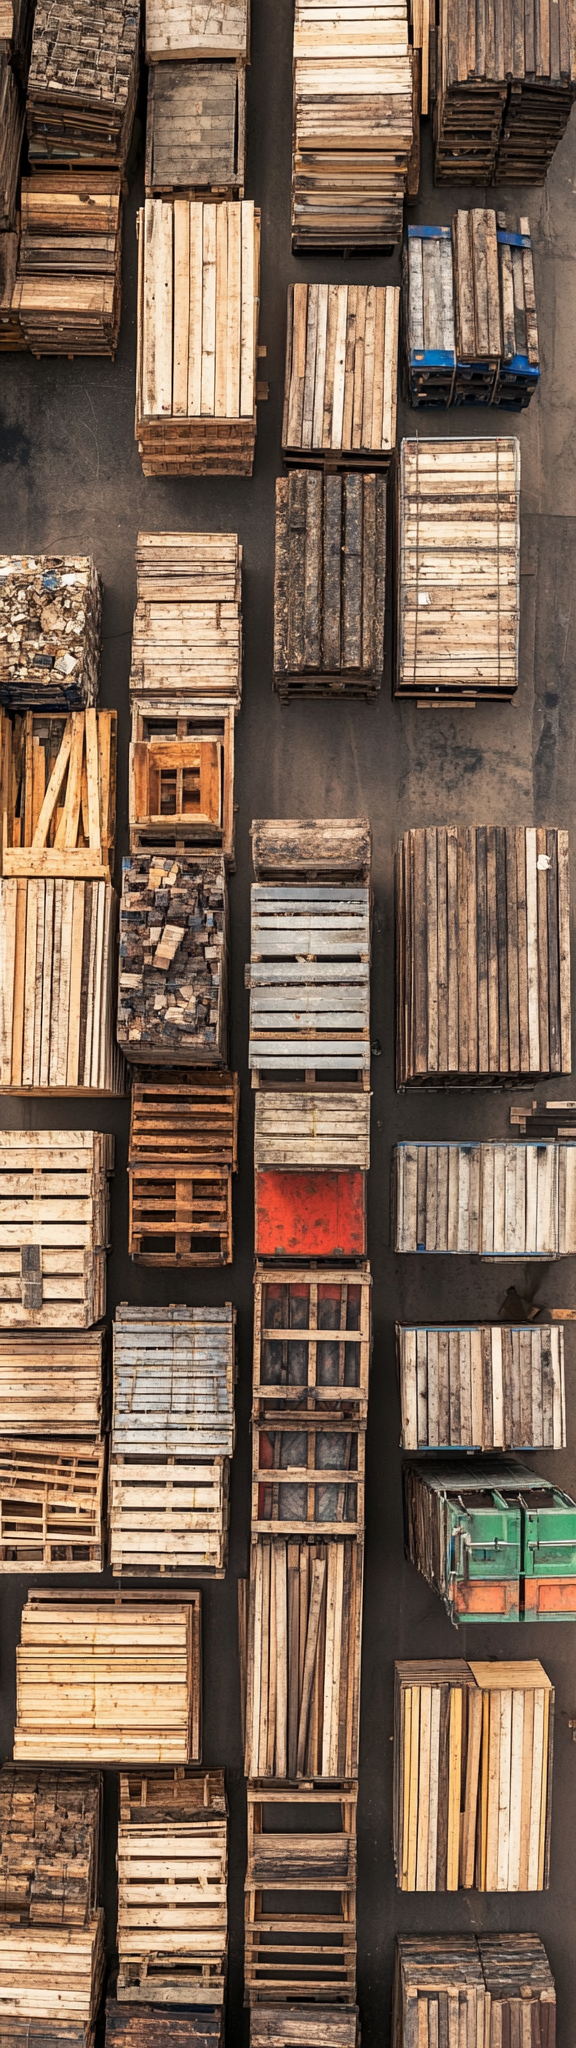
(173, 979)
(187, 632)
(309, 980)
(183, 1151)
(304, 2026)
(502, 108)
(83, 82)
(69, 285)
(109, 1678)
(174, 1378)
(311, 850)
(305, 1625)
(172, 751)
(352, 125)
(482, 953)
(52, 1978)
(54, 1226)
(500, 1201)
(315, 1131)
(50, 620)
(312, 1331)
(482, 1386)
(57, 982)
(198, 305)
(196, 128)
(300, 1843)
(52, 1383)
(181, 28)
(473, 1748)
(149, 2027)
(172, 1874)
(341, 375)
(496, 1541)
(168, 1517)
(487, 1985)
(12, 115)
(329, 584)
(50, 1824)
(458, 570)
(307, 1472)
(58, 794)
(51, 1506)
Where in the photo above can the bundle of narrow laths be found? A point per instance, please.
(504, 97)
(303, 1697)
(108, 1678)
(83, 80)
(473, 1747)
(353, 123)
(57, 981)
(51, 1927)
(68, 288)
(50, 619)
(493, 1988)
(470, 330)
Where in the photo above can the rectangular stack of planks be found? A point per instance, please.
(457, 587)
(341, 375)
(58, 794)
(497, 1542)
(469, 323)
(54, 1227)
(67, 293)
(182, 1154)
(82, 82)
(50, 624)
(305, 1619)
(482, 954)
(12, 116)
(52, 1451)
(172, 1440)
(504, 93)
(497, 1200)
(187, 632)
(485, 1387)
(172, 1875)
(310, 956)
(353, 124)
(11, 336)
(147, 2026)
(52, 1960)
(487, 1988)
(198, 306)
(300, 1843)
(57, 984)
(329, 584)
(109, 1678)
(473, 1749)
(173, 979)
(196, 128)
(48, 1383)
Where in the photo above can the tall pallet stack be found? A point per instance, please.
(504, 95)
(473, 1754)
(52, 1958)
(491, 1987)
(172, 1441)
(196, 115)
(353, 127)
(469, 321)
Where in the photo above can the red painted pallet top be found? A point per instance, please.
(309, 1215)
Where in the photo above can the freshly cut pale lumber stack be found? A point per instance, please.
(307, 1471)
(500, 1201)
(172, 1876)
(329, 584)
(312, 1331)
(181, 1158)
(196, 128)
(108, 1678)
(173, 980)
(198, 305)
(58, 794)
(51, 1506)
(311, 849)
(83, 81)
(174, 1378)
(315, 1132)
(51, 1983)
(12, 112)
(303, 2025)
(470, 330)
(299, 1843)
(50, 619)
(186, 28)
(187, 632)
(482, 953)
(147, 2026)
(504, 94)
(494, 1988)
(353, 123)
(341, 375)
(49, 1845)
(57, 982)
(51, 1383)
(458, 570)
(68, 289)
(497, 1542)
(304, 1632)
(473, 1748)
(309, 978)
(54, 1227)
(487, 1387)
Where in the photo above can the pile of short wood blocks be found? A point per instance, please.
(470, 329)
(504, 96)
(52, 1958)
(354, 117)
(172, 1440)
(457, 572)
(301, 1620)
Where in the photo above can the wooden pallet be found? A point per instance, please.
(69, 285)
(310, 1215)
(473, 1748)
(352, 125)
(316, 1132)
(499, 1201)
(183, 1151)
(57, 980)
(54, 1227)
(305, 1624)
(12, 115)
(50, 1384)
(503, 102)
(309, 979)
(198, 303)
(168, 1517)
(295, 1848)
(487, 1984)
(482, 1386)
(304, 2026)
(482, 954)
(312, 1332)
(58, 794)
(174, 1379)
(51, 1506)
(196, 128)
(457, 570)
(83, 81)
(172, 1874)
(108, 1678)
(170, 751)
(50, 1823)
(329, 584)
(149, 2027)
(181, 28)
(57, 1972)
(470, 329)
(340, 376)
(311, 850)
(50, 620)
(307, 1472)
(187, 633)
(173, 978)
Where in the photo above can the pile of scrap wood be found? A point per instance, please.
(329, 584)
(473, 1747)
(299, 1842)
(470, 329)
(172, 1440)
(83, 81)
(482, 1386)
(68, 285)
(195, 128)
(457, 589)
(341, 375)
(182, 1153)
(172, 1878)
(173, 980)
(54, 1227)
(108, 1678)
(50, 622)
(499, 1201)
(52, 1958)
(502, 105)
(353, 124)
(496, 1541)
(198, 304)
(51, 1452)
(491, 1983)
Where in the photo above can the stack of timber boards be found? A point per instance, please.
(182, 1154)
(48, 1383)
(490, 1988)
(353, 124)
(185, 28)
(300, 1843)
(58, 794)
(341, 375)
(149, 2027)
(458, 570)
(12, 115)
(50, 620)
(503, 97)
(304, 1631)
(68, 289)
(469, 326)
(54, 1228)
(496, 1541)
(309, 978)
(187, 631)
(499, 1201)
(310, 1160)
(473, 1748)
(16, 18)
(52, 1958)
(83, 81)
(485, 1387)
(57, 981)
(173, 980)
(109, 1678)
(311, 850)
(329, 584)
(482, 953)
(195, 129)
(172, 1440)
(198, 305)
(172, 1874)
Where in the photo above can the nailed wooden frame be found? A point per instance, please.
(314, 1131)
(482, 1386)
(295, 1493)
(172, 1873)
(168, 1518)
(172, 86)
(65, 823)
(310, 850)
(182, 1153)
(54, 1226)
(334, 416)
(198, 308)
(312, 1952)
(147, 2026)
(174, 1378)
(183, 722)
(51, 1506)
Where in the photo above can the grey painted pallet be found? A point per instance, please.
(174, 1376)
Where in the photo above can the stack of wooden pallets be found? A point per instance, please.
(185, 689)
(198, 304)
(482, 1386)
(457, 592)
(83, 81)
(12, 115)
(54, 1228)
(172, 1440)
(301, 1841)
(341, 375)
(109, 1678)
(172, 1875)
(68, 287)
(496, 1541)
(50, 621)
(310, 960)
(497, 1200)
(196, 128)
(52, 1959)
(353, 123)
(503, 98)
(469, 323)
(182, 1155)
(473, 1749)
(52, 1451)
(489, 1986)
(329, 584)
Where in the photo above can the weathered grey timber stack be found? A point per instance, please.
(172, 1922)
(198, 306)
(329, 584)
(341, 375)
(500, 1201)
(482, 1386)
(108, 1677)
(504, 97)
(457, 590)
(310, 966)
(52, 1958)
(172, 1440)
(196, 129)
(353, 124)
(83, 81)
(469, 328)
(490, 1982)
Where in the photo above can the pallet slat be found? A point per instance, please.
(108, 1677)
(51, 1506)
(168, 1517)
(473, 1748)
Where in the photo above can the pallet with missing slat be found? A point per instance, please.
(58, 783)
(51, 1506)
(147, 2026)
(295, 1848)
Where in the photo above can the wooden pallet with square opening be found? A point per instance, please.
(182, 758)
(54, 1227)
(182, 1154)
(304, 1630)
(300, 1845)
(307, 1473)
(108, 1678)
(172, 1876)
